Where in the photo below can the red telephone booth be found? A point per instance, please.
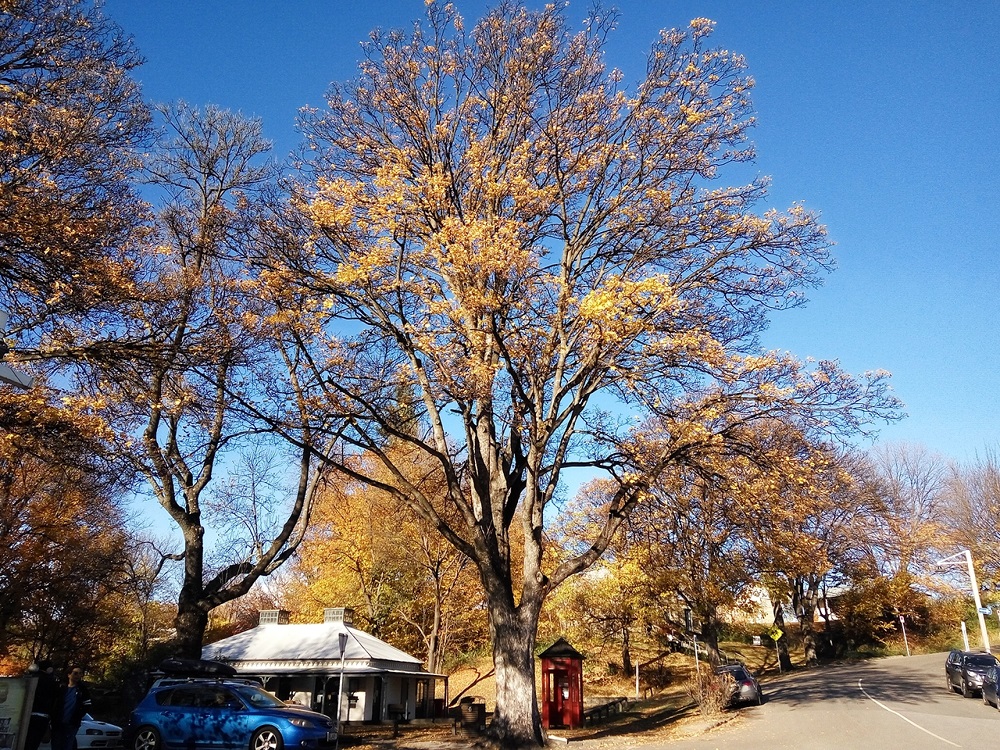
(562, 686)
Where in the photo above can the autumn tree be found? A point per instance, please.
(971, 513)
(72, 119)
(183, 355)
(501, 238)
(62, 533)
(406, 583)
(603, 608)
(695, 550)
(908, 529)
(808, 517)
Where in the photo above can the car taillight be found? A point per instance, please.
(747, 683)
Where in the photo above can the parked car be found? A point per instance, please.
(96, 734)
(221, 713)
(746, 689)
(990, 697)
(964, 671)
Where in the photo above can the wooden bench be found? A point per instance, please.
(396, 712)
(605, 711)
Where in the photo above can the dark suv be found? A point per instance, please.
(964, 671)
(222, 713)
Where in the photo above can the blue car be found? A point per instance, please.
(223, 714)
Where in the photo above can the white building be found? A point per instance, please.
(302, 663)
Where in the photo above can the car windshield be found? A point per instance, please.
(738, 673)
(981, 660)
(259, 698)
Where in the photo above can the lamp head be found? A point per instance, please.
(343, 643)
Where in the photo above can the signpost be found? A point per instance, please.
(775, 634)
(902, 624)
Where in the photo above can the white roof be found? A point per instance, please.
(307, 642)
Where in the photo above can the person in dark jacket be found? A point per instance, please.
(73, 703)
(42, 705)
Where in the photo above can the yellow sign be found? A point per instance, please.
(775, 633)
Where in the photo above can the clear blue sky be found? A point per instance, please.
(883, 116)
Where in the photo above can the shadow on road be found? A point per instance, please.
(893, 680)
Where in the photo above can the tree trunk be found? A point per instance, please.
(434, 638)
(189, 624)
(784, 660)
(805, 592)
(710, 635)
(516, 722)
(626, 651)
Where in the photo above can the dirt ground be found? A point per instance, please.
(644, 722)
(663, 712)
(669, 713)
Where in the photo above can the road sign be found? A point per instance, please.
(775, 633)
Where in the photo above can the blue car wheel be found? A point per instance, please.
(146, 738)
(266, 738)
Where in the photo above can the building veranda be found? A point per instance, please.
(303, 663)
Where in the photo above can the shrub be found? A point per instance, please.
(711, 692)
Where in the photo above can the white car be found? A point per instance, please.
(96, 734)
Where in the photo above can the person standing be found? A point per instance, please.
(73, 703)
(42, 705)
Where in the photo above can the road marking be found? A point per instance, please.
(908, 721)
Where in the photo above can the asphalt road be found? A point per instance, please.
(897, 702)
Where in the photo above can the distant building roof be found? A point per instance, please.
(278, 648)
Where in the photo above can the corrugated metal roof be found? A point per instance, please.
(308, 642)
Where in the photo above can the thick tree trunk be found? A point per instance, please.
(805, 595)
(710, 635)
(192, 617)
(189, 625)
(516, 722)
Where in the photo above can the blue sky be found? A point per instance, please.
(882, 116)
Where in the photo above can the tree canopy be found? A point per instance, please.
(71, 121)
(497, 264)
(497, 239)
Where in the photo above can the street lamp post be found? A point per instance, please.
(340, 688)
(951, 560)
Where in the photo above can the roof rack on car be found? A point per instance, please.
(166, 680)
(177, 671)
(177, 667)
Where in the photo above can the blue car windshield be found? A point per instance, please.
(259, 698)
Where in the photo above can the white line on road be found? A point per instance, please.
(882, 705)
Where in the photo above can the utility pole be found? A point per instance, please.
(980, 610)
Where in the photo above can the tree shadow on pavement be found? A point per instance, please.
(880, 679)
